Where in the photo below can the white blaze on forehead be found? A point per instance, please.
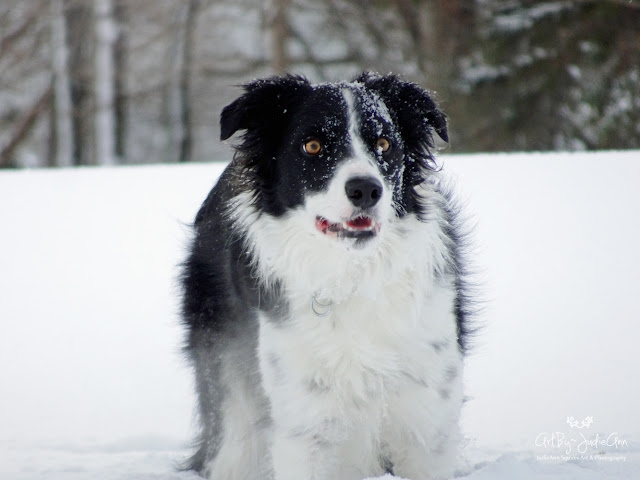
(360, 151)
(377, 108)
(371, 105)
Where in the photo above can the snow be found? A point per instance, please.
(527, 17)
(94, 386)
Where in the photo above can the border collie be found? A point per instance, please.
(324, 293)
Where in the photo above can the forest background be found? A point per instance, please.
(102, 82)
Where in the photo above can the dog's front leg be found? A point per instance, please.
(306, 434)
(308, 427)
(422, 430)
(303, 453)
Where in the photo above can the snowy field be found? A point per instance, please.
(93, 385)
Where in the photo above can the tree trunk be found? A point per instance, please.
(121, 59)
(417, 32)
(186, 80)
(62, 122)
(80, 43)
(104, 82)
(279, 31)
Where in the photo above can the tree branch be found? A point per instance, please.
(11, 37)
(24, 126)
(311, 58)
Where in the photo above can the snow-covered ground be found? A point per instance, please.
(93, 385)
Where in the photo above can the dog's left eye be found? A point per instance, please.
(312, 147)
(383, 145)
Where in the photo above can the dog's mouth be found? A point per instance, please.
(361, 226)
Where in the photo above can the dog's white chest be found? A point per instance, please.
(374, 371)
(365, 347)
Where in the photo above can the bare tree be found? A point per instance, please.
(410, 13)
(186, 79)
(79, 21)
(104, 82)
(23, 126)
(121, 59)
(62, 124)
(279, 32)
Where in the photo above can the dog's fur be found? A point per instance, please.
(327, 319)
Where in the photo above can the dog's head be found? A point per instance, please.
(347, 154)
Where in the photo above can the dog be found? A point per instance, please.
(325, 294)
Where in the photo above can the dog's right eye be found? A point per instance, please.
(312, 147)
(383, 145)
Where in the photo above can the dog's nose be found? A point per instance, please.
(363, 192)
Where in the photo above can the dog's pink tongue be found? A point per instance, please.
(322, 224)
(359, 223)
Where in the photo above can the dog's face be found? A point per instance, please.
(346, 155)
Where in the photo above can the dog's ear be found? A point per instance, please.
(263, 105)
(414, 109)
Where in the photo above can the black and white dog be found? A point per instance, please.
(324, 293)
